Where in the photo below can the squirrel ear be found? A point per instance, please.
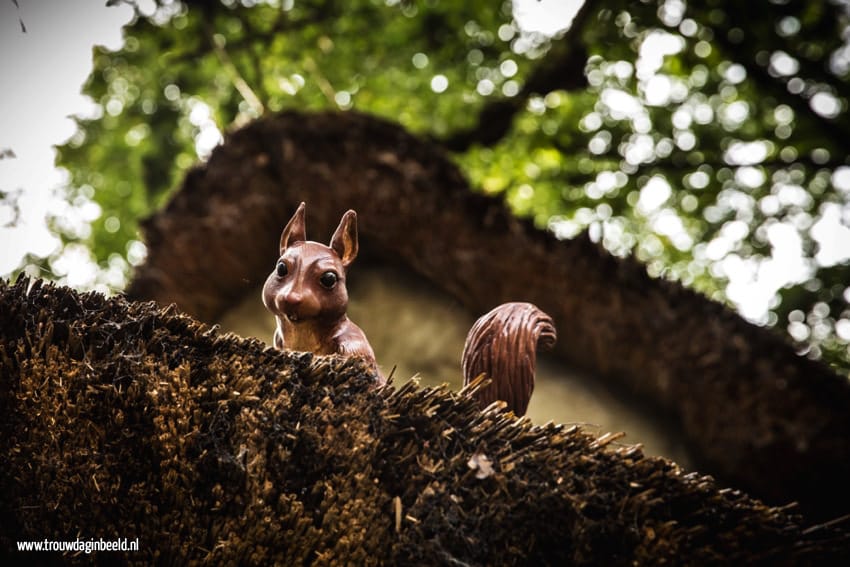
(344, 240)
(294, 230)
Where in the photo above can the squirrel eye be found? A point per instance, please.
(328, 279)
(282, 270)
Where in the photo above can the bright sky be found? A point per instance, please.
(43, 71)
(547, 17)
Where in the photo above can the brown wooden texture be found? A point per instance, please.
(502, 345)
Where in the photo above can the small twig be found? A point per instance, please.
(397, 510)
(322, 82)
(242, 86)
(20, 20)
(834, 522)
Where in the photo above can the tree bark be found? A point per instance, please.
(756, 414)
(124, 420)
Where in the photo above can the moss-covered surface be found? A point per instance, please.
(123, 419)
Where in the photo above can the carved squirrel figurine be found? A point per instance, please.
(306, 292)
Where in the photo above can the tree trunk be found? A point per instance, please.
(123, 420)
(756, 414)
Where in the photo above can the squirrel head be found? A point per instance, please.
(308, 281)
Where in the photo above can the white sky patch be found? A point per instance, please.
(746, 153)
(750, 293)
(703, 113)
(786, 252)
(699, 180)
(640, 149)
(655, 47)
(791, 195)
(753, 283)
(654, 194)
(735, 73)
(750, 177)
(76, 266)
(832, 236)
(622, 104)
(43, 71)
(209, 136)
(667, 223)
(734, 114)
(546, 17)
(783, 64)
(841, 179)
(657, 90)
(439, 83)
(718, 248)
(825, 104)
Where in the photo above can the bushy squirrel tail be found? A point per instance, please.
(503, 345)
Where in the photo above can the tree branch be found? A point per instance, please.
(561, 68)
(837, 132)
(757, 415)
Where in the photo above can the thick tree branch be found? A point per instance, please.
(756, 414)
(561, 68)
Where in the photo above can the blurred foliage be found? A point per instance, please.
(705, 138)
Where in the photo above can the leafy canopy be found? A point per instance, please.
(706, 138)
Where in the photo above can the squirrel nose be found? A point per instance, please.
(292, 306)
